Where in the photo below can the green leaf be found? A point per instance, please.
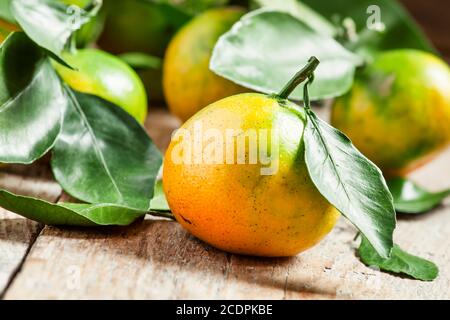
(5, 11)
(141, 61)
(265, 49)
(31, 101)
(302, 12)
(159, 201)
(70, 214)
(398, 29)
(105, 214)
(50, 23)
(399, 262)
(103, 155)
(413, 199)
(191, 7)
(4, 33)
(350, 182)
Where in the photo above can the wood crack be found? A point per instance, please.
(19, 266)
(17, 270)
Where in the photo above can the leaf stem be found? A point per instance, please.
(306, 101)
(305, 73)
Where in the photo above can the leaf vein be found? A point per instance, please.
(95, 143)
(329, 154)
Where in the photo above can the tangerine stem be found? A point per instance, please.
(302, 75)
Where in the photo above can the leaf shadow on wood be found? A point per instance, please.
(426, 215)
(156, 246)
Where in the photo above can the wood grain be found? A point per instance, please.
(157, 259)
(16, 233)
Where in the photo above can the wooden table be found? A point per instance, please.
(157, 259)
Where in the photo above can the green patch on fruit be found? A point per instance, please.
(397, 112)
(102, 74)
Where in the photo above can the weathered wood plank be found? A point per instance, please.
(157, 259)
(16, 233)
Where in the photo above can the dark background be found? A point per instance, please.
(434, 17)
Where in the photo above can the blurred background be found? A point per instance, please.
(434, 17)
